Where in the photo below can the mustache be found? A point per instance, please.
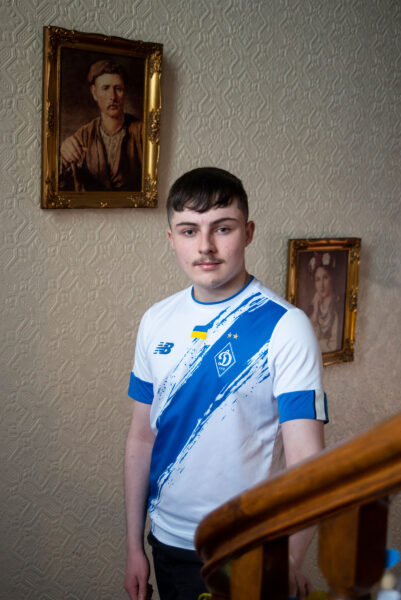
(207, 259)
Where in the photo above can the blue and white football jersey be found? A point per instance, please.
(220, 378)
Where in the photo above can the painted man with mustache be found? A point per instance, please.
(106, 153)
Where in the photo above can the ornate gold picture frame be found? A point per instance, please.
(100, 120)
(322, 280)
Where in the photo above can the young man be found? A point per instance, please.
(224, 372)
(106, 153)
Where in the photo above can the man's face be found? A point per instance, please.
(210, 249)
(109, 93)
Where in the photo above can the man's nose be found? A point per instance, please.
(206, 243)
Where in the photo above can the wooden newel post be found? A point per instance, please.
(261, 573)
(352, 549)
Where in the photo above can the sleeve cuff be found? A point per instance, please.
(304, 404)
(139, 390)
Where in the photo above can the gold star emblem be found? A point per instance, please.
(229, 334)
(235, 336)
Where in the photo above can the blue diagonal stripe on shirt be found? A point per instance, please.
(204, 390)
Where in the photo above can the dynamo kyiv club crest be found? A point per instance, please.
(224, 359)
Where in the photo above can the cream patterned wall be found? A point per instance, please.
(301, 99)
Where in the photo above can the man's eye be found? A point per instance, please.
(188, 232)
(223, 229)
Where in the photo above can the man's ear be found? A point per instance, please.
(93, 92)
(170, 238)
(250, 230)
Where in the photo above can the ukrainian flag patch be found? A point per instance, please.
(200, 332)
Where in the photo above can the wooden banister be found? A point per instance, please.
(350, 475)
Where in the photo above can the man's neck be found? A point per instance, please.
(220, 293)
(111, 124)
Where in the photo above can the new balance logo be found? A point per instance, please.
(163, 348)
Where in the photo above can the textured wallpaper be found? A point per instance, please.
(300, 99)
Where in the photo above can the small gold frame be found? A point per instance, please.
(67, 54)
(328, 295)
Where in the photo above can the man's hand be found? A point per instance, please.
(71, 151)
(315, 304)
(136, 577)
(302, 438)
(299, 585)
(138, 452)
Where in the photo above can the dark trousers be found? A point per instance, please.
(177, 571)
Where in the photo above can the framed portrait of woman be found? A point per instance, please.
(322, 280)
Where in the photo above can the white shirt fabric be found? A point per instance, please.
(218, 398)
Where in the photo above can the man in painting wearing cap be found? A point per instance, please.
(106, 153)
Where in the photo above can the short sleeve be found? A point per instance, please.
(140, 384)
(296, 368)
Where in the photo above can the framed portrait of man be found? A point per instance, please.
(101, 121)
(322, 280)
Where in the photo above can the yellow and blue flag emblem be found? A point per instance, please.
(200, 332)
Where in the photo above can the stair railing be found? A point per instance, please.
(345, 489)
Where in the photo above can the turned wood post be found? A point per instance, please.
(352, 550)
(261, 573)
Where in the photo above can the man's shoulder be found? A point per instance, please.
(273, 296)
(169, 303)
(287, 316)
(164, 315)
(89, 128)
(132, 122)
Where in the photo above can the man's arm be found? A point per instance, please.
(302, 438)
(138, 453)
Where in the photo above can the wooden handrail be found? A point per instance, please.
(352, 474)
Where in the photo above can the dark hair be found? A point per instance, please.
(101, 67)
(205, 188)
